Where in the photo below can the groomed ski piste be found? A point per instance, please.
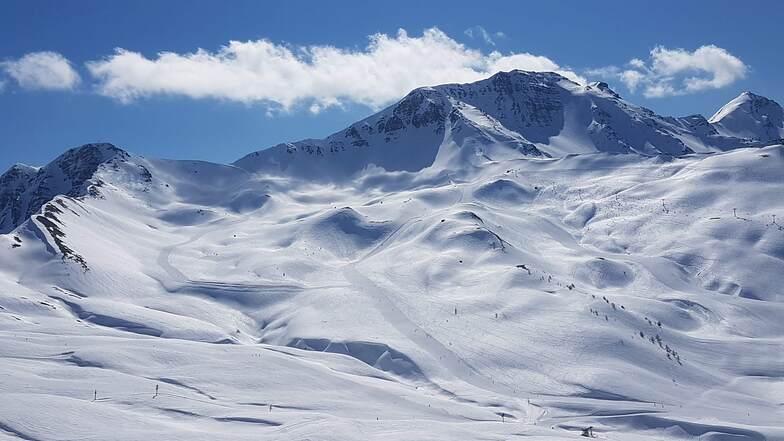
(494, 287)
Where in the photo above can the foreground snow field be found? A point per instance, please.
(487, 295)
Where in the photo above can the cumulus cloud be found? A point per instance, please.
(671, 72)
(42, 70)
(318, 76)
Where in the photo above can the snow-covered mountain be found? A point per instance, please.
(450, 129)
(509, 115)
(472, 280)
(752, 117)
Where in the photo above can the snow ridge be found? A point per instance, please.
(537, 114)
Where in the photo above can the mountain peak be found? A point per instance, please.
(530, 75)
(24, 189)
(81, 161)
(23, 167)
(748, 102)
(94, 152)
(750, 116)
(18, 172)
(604, 87)
(752, 96)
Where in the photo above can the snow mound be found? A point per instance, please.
(581, 215)
(605, 273)
(247, 201)
(377, 355)
(504, 191)
(466, 232)
(344, 232)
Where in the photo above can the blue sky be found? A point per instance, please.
(306, 69)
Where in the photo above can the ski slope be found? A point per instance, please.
(368, 313)
(484, 290)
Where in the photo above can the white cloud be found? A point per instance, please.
(481, 33)
(317, 76)
(678, 71)
(632, 78)
(42, 70)
(637, 63)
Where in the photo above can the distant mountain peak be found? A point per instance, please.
(747, 102)
(750, 116)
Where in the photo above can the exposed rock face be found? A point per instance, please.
(13, 185)
(24, 190)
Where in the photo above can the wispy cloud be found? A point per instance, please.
(42, 70)
(481, 33)
(671, 72)
(318, 76)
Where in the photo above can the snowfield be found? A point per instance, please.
(493, 287)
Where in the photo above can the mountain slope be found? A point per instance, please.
(750, 116)
(511, 114)
(638, 295)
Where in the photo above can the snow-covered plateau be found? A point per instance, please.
(518, 258)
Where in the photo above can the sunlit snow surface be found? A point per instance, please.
(526, 298)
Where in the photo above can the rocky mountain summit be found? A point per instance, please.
(24, 189)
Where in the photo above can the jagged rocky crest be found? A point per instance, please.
(24, 189)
